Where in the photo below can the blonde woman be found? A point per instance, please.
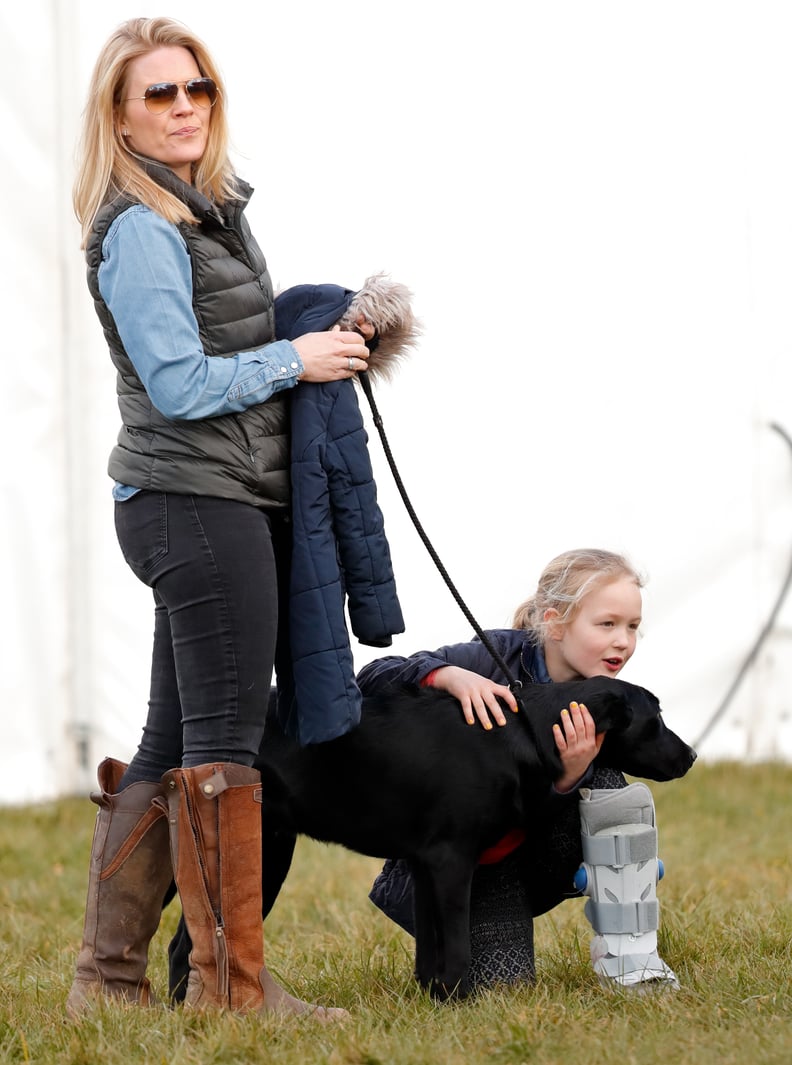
(201, 483)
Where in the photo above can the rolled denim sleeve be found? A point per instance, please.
(145, 279)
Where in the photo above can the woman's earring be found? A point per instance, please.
(125, 132)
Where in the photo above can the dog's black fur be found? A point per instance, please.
(414, 781)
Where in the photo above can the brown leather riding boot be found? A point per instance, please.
(214, 812)
(129, 874)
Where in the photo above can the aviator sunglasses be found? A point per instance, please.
(162, 96)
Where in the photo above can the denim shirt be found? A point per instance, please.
(146, 281)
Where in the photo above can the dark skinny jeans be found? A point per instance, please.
(211, 565)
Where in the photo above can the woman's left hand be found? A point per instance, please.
(332, 355)
(578, 744)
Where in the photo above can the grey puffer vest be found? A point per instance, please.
(236, 456)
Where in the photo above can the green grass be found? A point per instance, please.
(726, 914)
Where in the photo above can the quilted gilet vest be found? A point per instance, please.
(242, 456)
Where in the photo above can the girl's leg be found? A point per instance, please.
(501, 926)
(620, 877)
(552, 859)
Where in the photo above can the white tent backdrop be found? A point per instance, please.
(591, 204)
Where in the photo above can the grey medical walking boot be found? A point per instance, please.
(619, 873)
(130, 871)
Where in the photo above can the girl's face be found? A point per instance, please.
(178, 136)
(600, 639)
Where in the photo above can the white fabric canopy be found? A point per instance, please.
(591, 205)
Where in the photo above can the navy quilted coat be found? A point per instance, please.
(340, 555)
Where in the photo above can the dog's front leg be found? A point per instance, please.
(442, 923)
(451, 882)
(426, 926)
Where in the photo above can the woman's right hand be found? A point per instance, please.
(477, 695)
(331, 356)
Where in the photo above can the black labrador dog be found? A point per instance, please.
(415, 781)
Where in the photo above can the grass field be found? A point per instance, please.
(726, 915)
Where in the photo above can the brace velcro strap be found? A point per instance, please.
(623, 917)
(620, 848)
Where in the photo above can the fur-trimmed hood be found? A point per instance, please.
(383, 302)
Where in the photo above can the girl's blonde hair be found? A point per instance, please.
(105, 166)
(565, 581)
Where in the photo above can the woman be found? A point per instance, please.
(201, 485)
(582, 621)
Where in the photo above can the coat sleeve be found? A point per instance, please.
(385, 672)
(325, 695)
(364, 553)
(339, 553)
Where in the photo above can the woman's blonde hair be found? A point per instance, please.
(105, 166)
(565, 581)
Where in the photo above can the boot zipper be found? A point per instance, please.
(220, 944)
(221, 961)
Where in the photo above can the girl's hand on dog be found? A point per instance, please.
(578, 744)
(478, 696)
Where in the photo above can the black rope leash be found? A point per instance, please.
(515, 685)
(764, 632)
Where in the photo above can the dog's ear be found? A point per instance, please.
(610, 709)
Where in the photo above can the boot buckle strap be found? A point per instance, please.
(214, 785)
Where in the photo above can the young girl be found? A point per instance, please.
(582, 621)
